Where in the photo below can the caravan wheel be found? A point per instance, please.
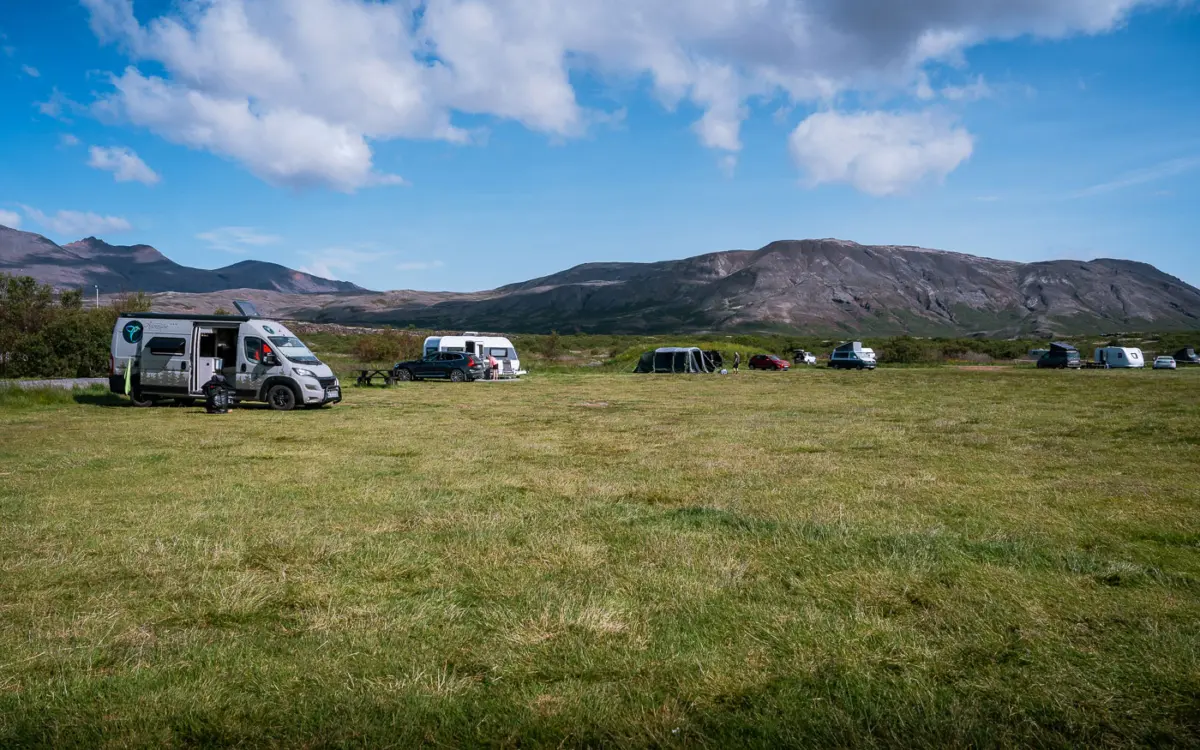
(139, 400)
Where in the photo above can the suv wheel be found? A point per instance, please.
(281, 398)
(404, 374)
(458, 376)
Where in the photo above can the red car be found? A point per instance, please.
(768, 362)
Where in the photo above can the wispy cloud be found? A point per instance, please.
(419, 265)
(974, 91)
(59, 105)
(10, 219)
(1142, 176)
(77, 223)
(728, 165)
(339, 262)
(237, 240)
(125, 165)
(68, 140)
(31, 71)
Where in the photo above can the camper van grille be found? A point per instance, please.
(327, 382)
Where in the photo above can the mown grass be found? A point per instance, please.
(900, 558)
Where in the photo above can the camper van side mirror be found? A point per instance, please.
(270, 360)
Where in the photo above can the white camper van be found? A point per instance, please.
(852, 356)
(1119, 356)
(482, 347)
(173, 356)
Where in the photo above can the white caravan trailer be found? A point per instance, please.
(1119, 356)
(482, 347)
(173, 356)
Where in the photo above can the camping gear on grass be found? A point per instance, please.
(218, 396)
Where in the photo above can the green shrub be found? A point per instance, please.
(387, 347)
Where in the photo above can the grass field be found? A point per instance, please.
(915, 557)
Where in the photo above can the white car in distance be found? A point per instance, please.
(1165, 363)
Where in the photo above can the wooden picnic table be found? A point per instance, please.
(366, 376)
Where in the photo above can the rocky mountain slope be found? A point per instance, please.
(119, 268)
(814, 285)
(830, 286)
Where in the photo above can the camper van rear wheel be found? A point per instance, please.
(139, 400)
(281, 398)
(403, 374)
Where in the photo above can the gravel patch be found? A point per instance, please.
(65, 383)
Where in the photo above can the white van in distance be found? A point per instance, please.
(173, 356)
(482, 347)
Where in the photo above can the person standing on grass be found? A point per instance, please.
(495, 367)
(737, 361)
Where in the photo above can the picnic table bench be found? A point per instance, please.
(366, 376)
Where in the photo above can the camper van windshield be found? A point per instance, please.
(294, 349)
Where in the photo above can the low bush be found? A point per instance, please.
(387, 347)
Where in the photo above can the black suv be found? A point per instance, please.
(455, 366)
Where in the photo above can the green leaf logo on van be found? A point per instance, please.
(132, 332)
(270, 331)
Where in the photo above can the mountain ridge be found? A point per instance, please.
(93, 262)
(826, 285)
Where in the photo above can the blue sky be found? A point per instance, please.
(464, 144)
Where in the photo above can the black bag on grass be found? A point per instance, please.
(218, 396)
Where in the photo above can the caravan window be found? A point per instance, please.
(166, 345)
(501, 353)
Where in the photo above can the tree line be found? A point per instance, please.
(48, 333)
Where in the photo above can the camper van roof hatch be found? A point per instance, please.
(470, 333)
(246, 307)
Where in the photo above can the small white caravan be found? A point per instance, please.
(1120, 356)
(173, 356)
(481, 346)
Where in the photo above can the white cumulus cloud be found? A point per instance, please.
(125, 165)
(10, 219)
(78, 223)
(881, 153)
(298, 91)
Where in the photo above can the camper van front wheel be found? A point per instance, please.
(281, 398)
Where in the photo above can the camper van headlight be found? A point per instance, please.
(304, 373)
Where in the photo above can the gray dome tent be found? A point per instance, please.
(674, 359)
